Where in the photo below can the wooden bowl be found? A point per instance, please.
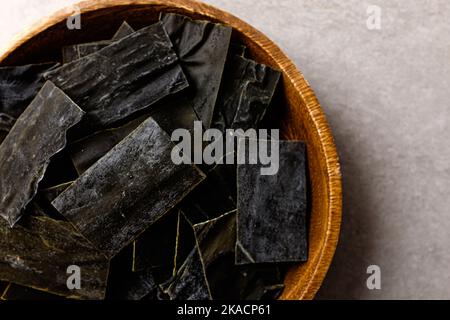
(297, 111)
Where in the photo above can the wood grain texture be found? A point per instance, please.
(298, 109)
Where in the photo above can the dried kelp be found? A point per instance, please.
(202, 47)
(216, 238)
(77, 51)
(39, 252)
(20, 293)
(122, 78)
(128, 189)
(190, 281)
(19, 85)
(85, 152)
(245, 93)
(216, 241)
(39, 133)
(272, 209)
(123, 283)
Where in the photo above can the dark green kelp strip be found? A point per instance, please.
(39, 133)
(202, 47)
(272, 209)
(127, 76)
(128, 189)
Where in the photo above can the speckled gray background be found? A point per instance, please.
(387, 97)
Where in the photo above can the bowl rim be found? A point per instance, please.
(319, 268)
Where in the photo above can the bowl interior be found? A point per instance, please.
(295, 109)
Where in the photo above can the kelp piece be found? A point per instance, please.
(6, 122)
(39, 133)
(128, 189)
(19, 85)
(38, 252)
(124, 30)
(77, 51)
(125, 77)
(202, 47)
(85, 152)
(272, 209)
(155, 248)
(21, 293)
(123, 283)
(190, 281)
(246, 91)
(211, 198)
(216, 241)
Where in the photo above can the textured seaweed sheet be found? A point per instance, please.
(20, 293)
(246, 91)
(216, 241)
(124, 284)
(37, 253)
(19, 85)
(39, 133)
(77, 51)
(202, 47)
(125, 77)
(272, 209)
(155, 248)
(128, 189)
(190, 282)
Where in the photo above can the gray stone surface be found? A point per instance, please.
(386, 95)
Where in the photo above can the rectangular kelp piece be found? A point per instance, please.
(202, 47)
(125, 77)
(128, 189)
(38, 134)
(271, 209)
